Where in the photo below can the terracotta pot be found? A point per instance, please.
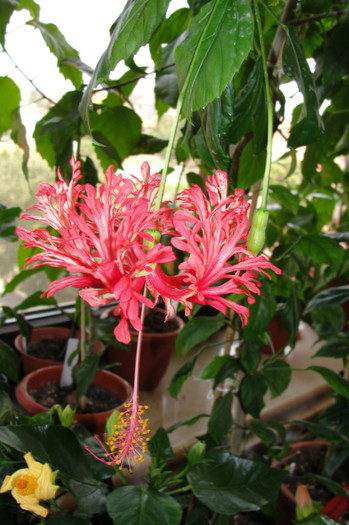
(95, 423)
(278, 335)
(31, 363)
(157, 349)
(287, 502)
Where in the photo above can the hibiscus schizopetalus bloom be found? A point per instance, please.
(109, 239)
(31, 485)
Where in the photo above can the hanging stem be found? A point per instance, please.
(269, 108)
(138, 350)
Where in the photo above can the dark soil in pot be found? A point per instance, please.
(251, 518)
(311, 460)
(98, 398)
(154, 322)
(52, 349)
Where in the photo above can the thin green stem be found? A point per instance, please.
(269, 108)
(179, 490)
(273, 15)
(178, 114)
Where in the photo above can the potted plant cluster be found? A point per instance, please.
(257, 242)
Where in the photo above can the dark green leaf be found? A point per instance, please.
(325, 432)
(336, 63)
(251, 167)
(182, 375)
(211, 370)
(149, 145)
(186, 422)
(250, 355)
(159, 447)
(242, 484)
(123, 138)
(220, 34)
(338, 347)
(196, 331)
(229, 370)
(261, 312)
(320, 249)
(221, 420)
(285, 197)
(289, 315)
(170, 29)
(329, 297)
(137, 506)
(216, 121)
(85, 372)
(252, 391)
(9, 362)
(265, 434)
(58, 45)
(310, 127)
(337, 382)
(58, 447)
(24, 327)
(195, 178)
(134, 28)
(6, 9)
(245, 104)
(18, 135)
(278, 374)
(10, 92)
(328, 322)
(166, 86)
(8, 222)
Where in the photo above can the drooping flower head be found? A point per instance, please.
(102, 237)
(31, 485)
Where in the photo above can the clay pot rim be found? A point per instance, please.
(23, 392)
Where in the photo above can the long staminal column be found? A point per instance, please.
(127, 443)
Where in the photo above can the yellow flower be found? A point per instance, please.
(30, 485)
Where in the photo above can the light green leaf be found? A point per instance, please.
(6, 9)
(251, 167)
(31, 6)
(285, 197)
(137, 506)
(9, 92)
(219, 40)
(58, 45)
(134, 28)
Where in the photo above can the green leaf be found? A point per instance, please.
(133, 29)
(6, 9)
(289, 315)
(229, 370)
(245, 104)
(337, 382)
(261, 312)
(321, 520)
(197, 330)
(252, 391)
(58, 447)
(31, 6)
(278, 374)
(285, 197)
(221, 420)
(18, 135)
(251, 167)
(9, 362)
(242, 484)
(329, 297)
(137, 506)
(220, 34)
(320, 249)
(182, 374)
(10, 92)
(122, 138)
(61, 49)
(170, 29)
(35, 299)
(8, 222)
(160, 448)
(216, 121)
(310, 127)
(211, 369)
(336, 63)
(250, 355)
(24, 327)
(338, 347)
(85, 372)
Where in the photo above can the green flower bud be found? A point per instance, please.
(256, 237)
